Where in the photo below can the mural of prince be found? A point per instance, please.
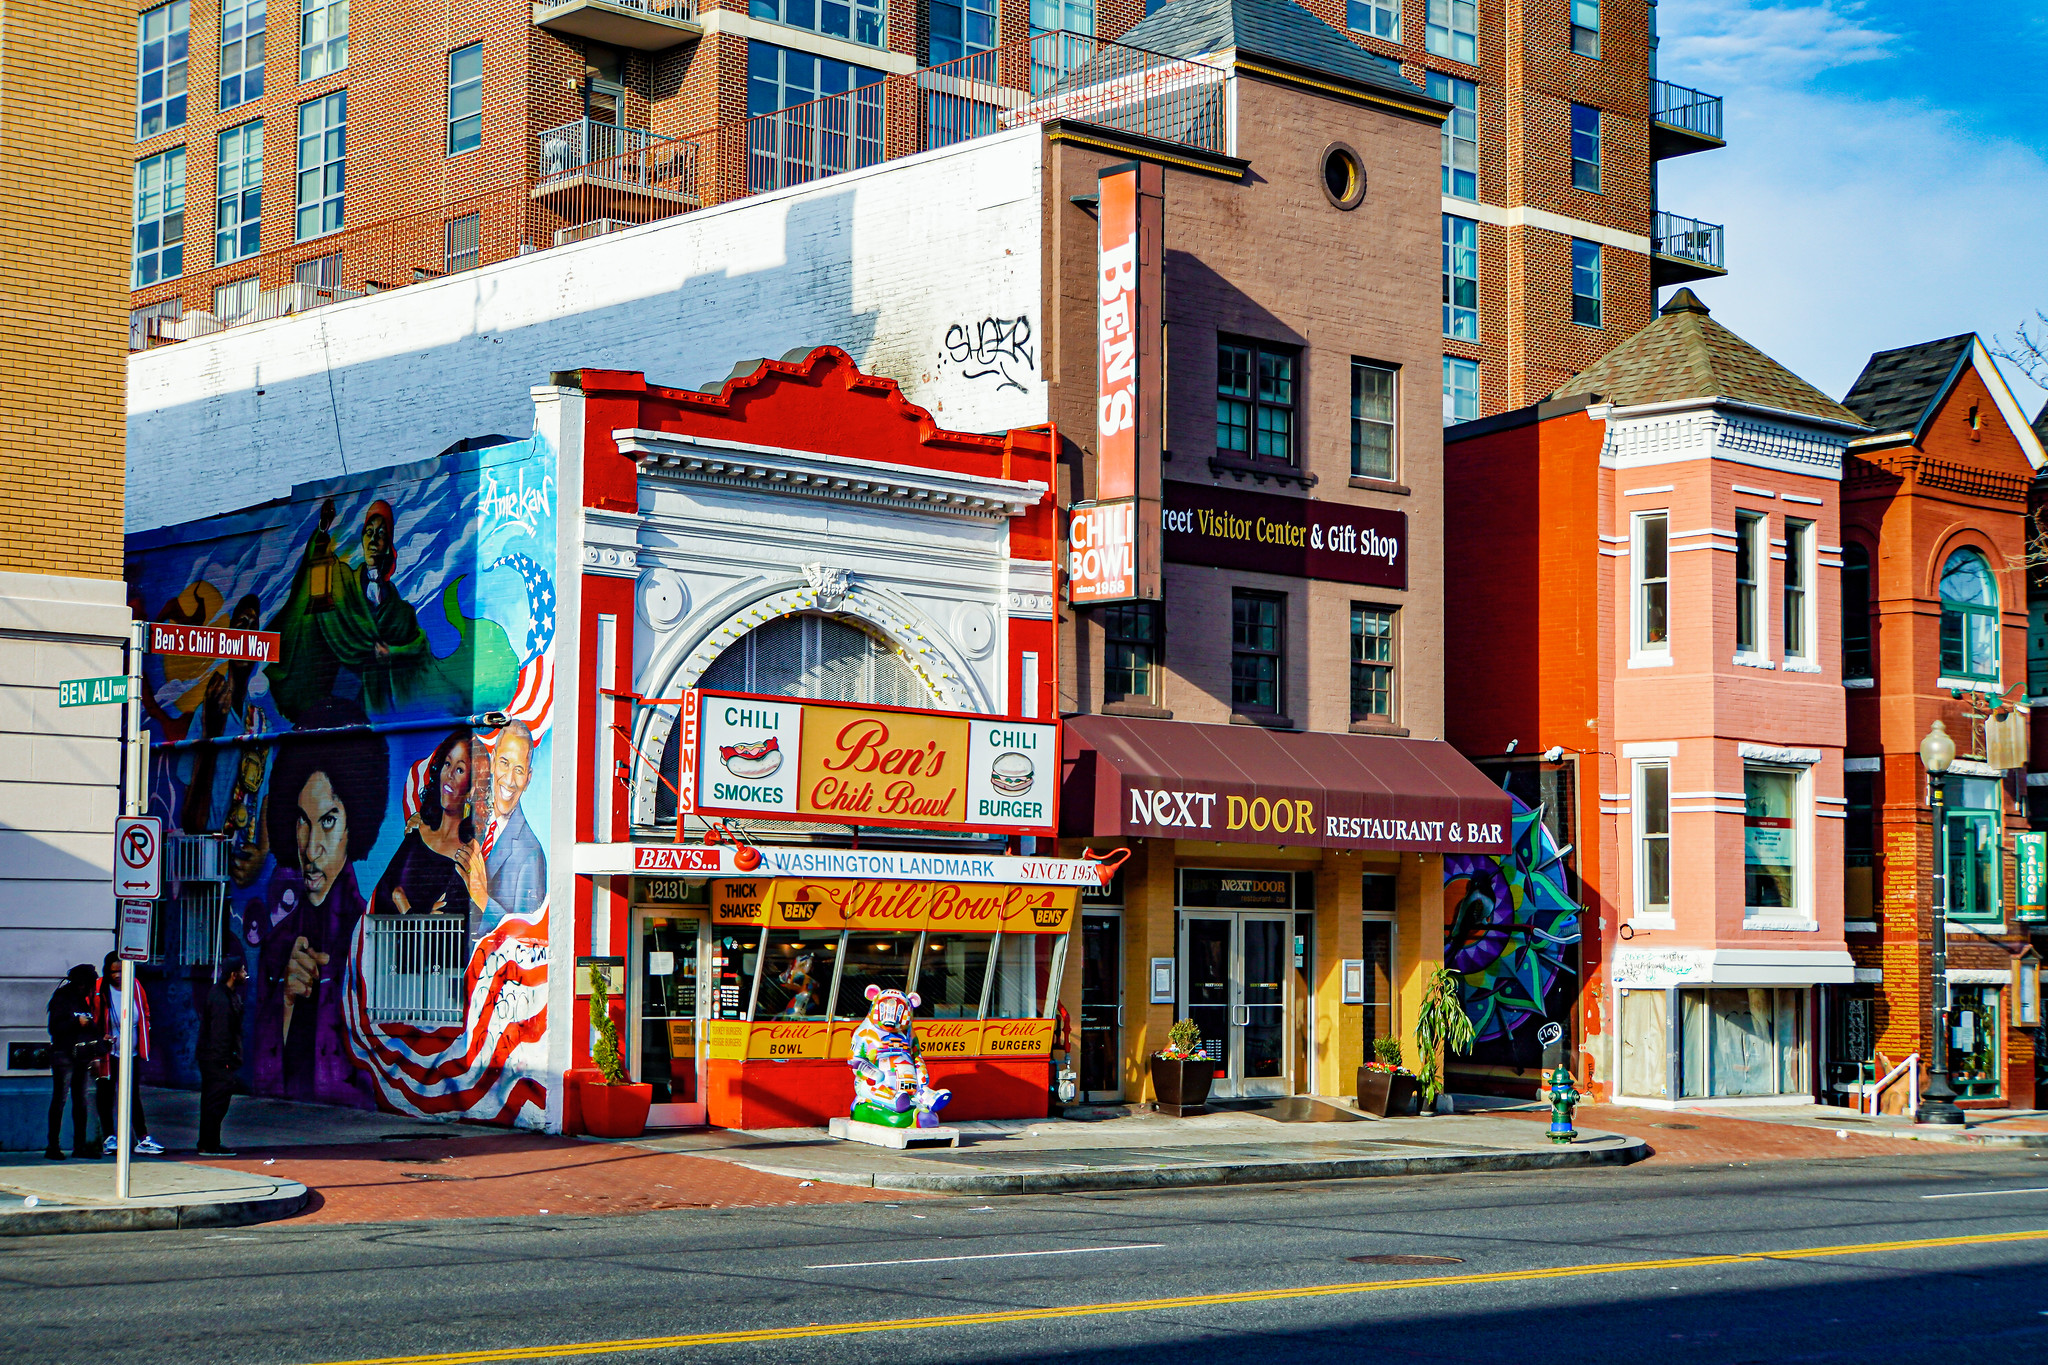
(386, 875)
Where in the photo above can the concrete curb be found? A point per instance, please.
(289, 1197)
(1134, 1177)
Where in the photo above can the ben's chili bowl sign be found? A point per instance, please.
(865, 765)
(941, 907)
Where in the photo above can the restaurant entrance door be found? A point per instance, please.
(1234, 975)
(666, 1047)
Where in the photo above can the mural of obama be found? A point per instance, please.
(507, 872)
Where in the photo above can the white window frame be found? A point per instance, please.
(1461, 130)
(244, 37)
(1442, 31)
(1599, 157)
(1581, 245)
(1644, 653)
(323, 48)
(320, 199)
(241, 204)
(461, 91)
(1799, 550)
(159, 202)
(1460, 323)
(1392, 421)
(1648, 916)
(1378, 15)
(1801, 911)
(1577, 10)
(1456, 364)
(1753, 528)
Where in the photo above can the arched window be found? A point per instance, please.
(1969, 618)
(1855, 611)
(816, 657)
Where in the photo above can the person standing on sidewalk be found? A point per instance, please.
(109, 1018)
(220, 1055)
(74, 1040)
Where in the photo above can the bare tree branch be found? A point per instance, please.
(2028, 350)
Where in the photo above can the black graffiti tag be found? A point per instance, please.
(994, 346)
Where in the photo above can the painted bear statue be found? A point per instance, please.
(890, 1085)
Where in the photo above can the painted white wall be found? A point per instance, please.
(60, 772)
(920, 269)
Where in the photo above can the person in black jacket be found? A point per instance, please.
(73, 1031)
(220, 1055)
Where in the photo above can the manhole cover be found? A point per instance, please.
(1391, 1259)
(1687, 1126)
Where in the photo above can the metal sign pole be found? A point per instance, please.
(134, 799)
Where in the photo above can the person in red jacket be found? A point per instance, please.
(108, 1015)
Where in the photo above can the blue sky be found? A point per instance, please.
(1886, 174)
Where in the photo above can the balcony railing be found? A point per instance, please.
(1678, 106)
(413, 968)
(1688, 240)
(644, 25)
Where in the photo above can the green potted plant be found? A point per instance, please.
(1182, 1072)
(613, 1106)
(1385, 1085)
(1440, 1023)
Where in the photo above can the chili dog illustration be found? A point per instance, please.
(759, 759)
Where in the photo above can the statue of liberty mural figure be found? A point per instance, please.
(347, 633)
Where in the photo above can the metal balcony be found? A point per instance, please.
(1683, 250)
(644, 25)
(627, 164)
(1683, 121)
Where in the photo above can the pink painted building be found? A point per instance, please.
(1666, 533)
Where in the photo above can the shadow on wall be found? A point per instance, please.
(381, 412)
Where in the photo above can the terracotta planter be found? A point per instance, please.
(614, 1111)
(1381, 1093)
(1182, 1088)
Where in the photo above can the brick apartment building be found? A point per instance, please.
(366, 150)
(63, 613)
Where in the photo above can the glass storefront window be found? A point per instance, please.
(735, 953)
(1974, 846)
(797, 975)
(1745, 1041)
(872, 959)
(1974, 1026)
(1023, 973)
(951, 971)
(1770, 843)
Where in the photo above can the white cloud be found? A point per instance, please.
(1853, 224)
(1731, 44)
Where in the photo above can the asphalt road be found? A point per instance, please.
(1035, 1275)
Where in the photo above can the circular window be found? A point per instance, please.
(1343, 176)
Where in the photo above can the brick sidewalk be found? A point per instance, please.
(521, 1174)
(1686, 1138)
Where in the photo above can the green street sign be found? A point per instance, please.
(92, 691)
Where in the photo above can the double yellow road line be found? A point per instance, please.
(1089, 1310)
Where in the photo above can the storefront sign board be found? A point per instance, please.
(1129, 359)
(216, 642)
(940, 907)
(2032, 849)
(1102, 542)
(868, 765)
(1295, 537)
(710, 860)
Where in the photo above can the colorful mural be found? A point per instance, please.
(381, 789)
(1512, 934)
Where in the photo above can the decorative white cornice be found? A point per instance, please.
(772, 471)
(611, 544)
(1718, 429)
(1029, 593)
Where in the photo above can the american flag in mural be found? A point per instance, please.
(487, 1069)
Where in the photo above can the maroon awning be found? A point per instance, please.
(1242, 784)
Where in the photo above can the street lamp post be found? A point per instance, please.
(1938, 1103)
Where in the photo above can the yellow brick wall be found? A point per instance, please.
(66, 114)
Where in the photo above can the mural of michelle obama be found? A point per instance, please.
(379, 793)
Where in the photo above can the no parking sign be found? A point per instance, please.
(138, 857)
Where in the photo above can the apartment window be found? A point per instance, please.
(1372, 420)
(323, 149)
(1859, 845)
(160, 217)
(1586, 27)
(858, 21)
(1585, 283)
(162, 48)
(465, 99)
(1653, 838)
(238, 194)
(1453, 29)
(1585, 148)
(321, 272)
(236, 299)
(781, 78)
(1855, 612)
(1372, 663)
(1652, 559)
(1056, 16)
(241, 51)
(1461, 390)
(462, 242)
(1798, 600)
(1460, 141)
(1969, 618)
(1130, 651)
(1256, 628)
(1749, 562)
(1770, 837)
(960, 28)
(1974, 843)
(1376, 18)
(1461, 278)
(1255, 393)
(323, 38)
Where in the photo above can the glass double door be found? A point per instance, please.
(1233, 973)
(663, 1015)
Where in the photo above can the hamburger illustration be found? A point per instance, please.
(759, 759)
(1011, 773)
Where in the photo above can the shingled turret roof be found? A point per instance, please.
(1277, 29)
(1686, 354)
(1897, 388)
